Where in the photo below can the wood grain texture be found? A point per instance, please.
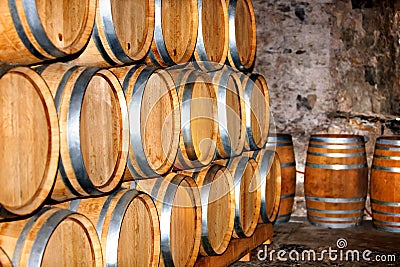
(4, 259)
(336, 180)
(29, 141)
(130, 232)
(94, 131)
(56, 30)
(385, 184)
(53, 237)
(239, 247)
(154, 120)
(124, 33)
(178, 204)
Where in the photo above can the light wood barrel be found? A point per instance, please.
(199, 118)
(283, 145)
(52, 237)
(247, 187)
(94, 131)
(175, 32)
(178, 204)
(154, 116)
(122, 34)
(36, 31)
(231, 113)
(257, 103)
(217, 194)
(271, 183)
(29, 139)
(212, 36)
(127, 224)
(385, 184)
(4, 259)
(336, 180)
(242, 34)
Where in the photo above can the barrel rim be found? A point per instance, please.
(337, 138)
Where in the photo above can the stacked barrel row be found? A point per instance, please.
(105, 162)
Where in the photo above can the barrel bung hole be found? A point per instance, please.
(60, 37)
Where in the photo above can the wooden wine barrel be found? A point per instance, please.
(257, 103)
(154, 116)
(94, 130)
(29, 139)
(242, 34)
(212, 36)
(33, 31)
(51, 237)
(385, 184)
(122, 34)
(199, 118)
(247, 183)
(175, 32)
(271, 183)
(231, 113)
(4, 259)
(178, 204)
(283, 145)
(127, 224)
(336, 180)
(217, 194)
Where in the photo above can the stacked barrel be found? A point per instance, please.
(125, 140)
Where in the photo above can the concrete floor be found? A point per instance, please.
(298, 240)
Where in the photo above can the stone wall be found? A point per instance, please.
(332, 66)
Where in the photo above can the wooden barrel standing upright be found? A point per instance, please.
(36, 31)
(122, 34)
(336, 180)
(271, 182)
(385, 184)
(242, 34)
(4, 259)
(231, 113)
(199, 118)
(29, 141)
(217, 194)
(212, 38)
(283, 145)
(127, 224)
(257, 110)
(52, 237)
(175, 32)
(178, 204)
(247, 187)
(94, 131)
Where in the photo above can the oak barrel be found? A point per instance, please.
(257, 110)
(36, 31)
(175, 32)
(52, 237)
(231, 113)
(217, 194)
(4, 259)
(127, 224)
(242, 34)
(247, 188)
(154, 116)
(94, 131)
(199, 118)
(122, 34)
(212, 37)
(178, 204)
(29, 139)
(336, 180)
(385, 184)
(283, 145)
(271, 183)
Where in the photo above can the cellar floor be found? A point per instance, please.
(298, 240)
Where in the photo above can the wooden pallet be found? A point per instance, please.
(239, 247)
